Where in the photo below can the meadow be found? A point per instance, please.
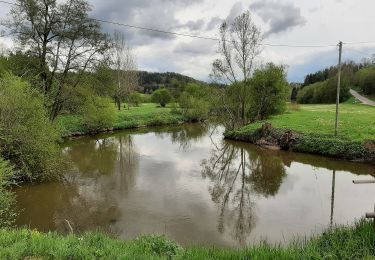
(314, 127)
(147, 114)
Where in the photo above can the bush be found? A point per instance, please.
(161, 96)
(98, 113)
(135, 99)
(7, 200)
(365, 79)
(194, 102)
(27, 138)
(269, 91)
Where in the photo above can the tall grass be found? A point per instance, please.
(344, 242)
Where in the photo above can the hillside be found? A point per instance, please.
(150, 81)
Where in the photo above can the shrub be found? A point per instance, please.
(135, 99)
(98, 113)
(269, 91)
(161, 96)
(7, 200)
(194, 102)
(27, 138)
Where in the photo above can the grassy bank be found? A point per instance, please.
(357, 242)
(145, 115)
(313, 126)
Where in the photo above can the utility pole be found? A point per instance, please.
(338, 89)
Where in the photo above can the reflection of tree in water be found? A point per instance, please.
(94, 156)
(107, 172)
(238, 175)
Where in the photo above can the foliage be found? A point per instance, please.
(161, 96)
(7, 200)
(27, 138)
(135, 99)
(98, 113)
(151, 81)
(194, 102)
(64, 40)
(269, 91)
(340, 242)
(365, 80)
(324, 92)
(348, 71)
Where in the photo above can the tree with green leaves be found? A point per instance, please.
(239, 49)
(269, 90)
(161, 96)
(63, 38)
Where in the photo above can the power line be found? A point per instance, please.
(190, 35)
(199, 36)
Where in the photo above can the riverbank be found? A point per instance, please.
(350, 242)
(148, 114)
(309, 129)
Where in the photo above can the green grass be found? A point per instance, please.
(357, 122)
(355, 242)
(314, 127)
(145, 115)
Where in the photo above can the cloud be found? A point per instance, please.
(280, 16)
(214, 23)
(155, 14)
(196, 47)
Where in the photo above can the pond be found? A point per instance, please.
(188, 183)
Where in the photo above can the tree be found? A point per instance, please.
(269, 90)
(239, 48)
(161, 96)
(126, 69)
(65, 40)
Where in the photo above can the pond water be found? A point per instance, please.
(188, 183)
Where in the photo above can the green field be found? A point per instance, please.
(313, 130)
(357, 242)
(356, 121)
(149, 114)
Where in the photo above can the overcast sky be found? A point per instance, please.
(302, 22)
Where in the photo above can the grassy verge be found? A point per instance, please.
(357, 242)
(144, 115)
(314, 128)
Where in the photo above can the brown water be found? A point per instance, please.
(189, 184)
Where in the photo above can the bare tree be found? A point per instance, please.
(126, 69)
(239, 47)
(64, 39)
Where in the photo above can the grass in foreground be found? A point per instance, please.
(145, 115)
(357, 122)
(357, 242)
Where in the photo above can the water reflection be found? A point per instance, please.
(239, 175)
(198, 189)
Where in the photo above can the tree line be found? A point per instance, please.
(320, 87)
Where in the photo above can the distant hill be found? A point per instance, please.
(150, 81)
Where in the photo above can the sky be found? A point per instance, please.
(302, 22)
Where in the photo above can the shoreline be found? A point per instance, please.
(288, 140)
